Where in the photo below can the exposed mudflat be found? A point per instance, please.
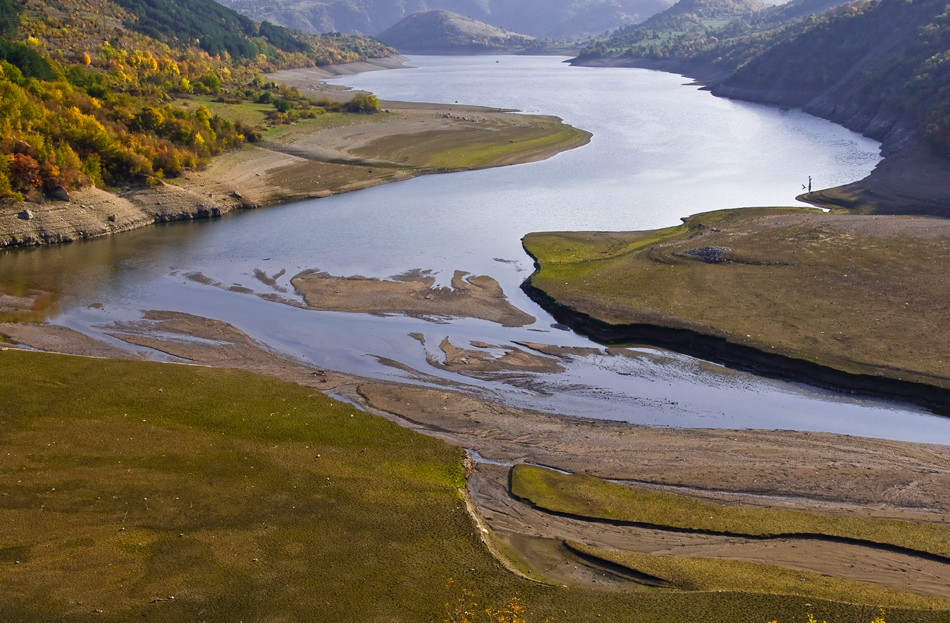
(808, 471)
(412, 294)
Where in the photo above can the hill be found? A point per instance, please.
(696, 11)
(433, 32)
(878, 67)
(556, 19)
(86, 86)
(689, 28)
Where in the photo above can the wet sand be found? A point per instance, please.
(412, 294)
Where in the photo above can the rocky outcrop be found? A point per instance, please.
(93, 212)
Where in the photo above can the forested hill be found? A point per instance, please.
(216, 28)
(88, 87)
(713, 37)
(696, 12)
(881, 67)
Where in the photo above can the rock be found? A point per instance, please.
(25, 215)
(113, 218)
(59, 193)
(236, 195)
(710, 255)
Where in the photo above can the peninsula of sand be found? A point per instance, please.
(331, 154)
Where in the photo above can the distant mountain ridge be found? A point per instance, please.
(445, 32)
(537, 18)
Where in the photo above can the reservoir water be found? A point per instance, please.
(661, 150)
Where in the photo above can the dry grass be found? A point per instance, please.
(493, 139)
(863, 294)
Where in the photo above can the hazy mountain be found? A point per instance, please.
(537, 18)
(444, 32)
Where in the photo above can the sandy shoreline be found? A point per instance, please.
(311, 159)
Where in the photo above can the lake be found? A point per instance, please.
(661, 150)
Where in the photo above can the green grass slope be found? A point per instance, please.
(586, 496)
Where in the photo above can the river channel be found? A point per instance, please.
(661, 150)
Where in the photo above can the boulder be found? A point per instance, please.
(59, 194)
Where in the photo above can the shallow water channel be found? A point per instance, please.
(661, 150)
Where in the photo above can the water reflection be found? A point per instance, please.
(660, 151)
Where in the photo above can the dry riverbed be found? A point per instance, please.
(412, 294)
(826, 473)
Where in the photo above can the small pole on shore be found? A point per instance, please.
(809, 183)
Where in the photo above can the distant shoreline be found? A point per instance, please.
(308, 160)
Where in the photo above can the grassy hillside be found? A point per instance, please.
(819, 289)
(86, 87)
